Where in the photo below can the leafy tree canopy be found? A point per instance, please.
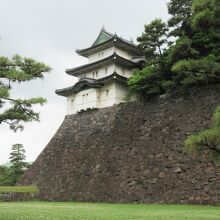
(192, 60)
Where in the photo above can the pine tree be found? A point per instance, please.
(18, 69)
(149, 80)
(192, 60)
(4, 176)
(208, 139)
(202, 64)
(17, 159)
(180, 11)
(152, 41)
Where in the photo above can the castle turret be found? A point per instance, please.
(103, 81)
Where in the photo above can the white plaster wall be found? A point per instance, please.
(123, 71)
(88, 98)
(107, 99)
(122, 92)
(109, 95)
(108, 52)
(123, 53)
(112, 67)
(101, 54)
(70, 103)
(100, 73)
(108, 70)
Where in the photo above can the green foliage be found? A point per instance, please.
(18, 69)
(21, 69)
(193, 143)
(153, 39)
(192, 60)
(216, 117)
(4, 177)
(10, 175)
(180, 11)
(146, 81)
(188, 73)
(17, 155)
(182, 49)
(206, 23)
(207, 139)
(204, 14)
(17, 159)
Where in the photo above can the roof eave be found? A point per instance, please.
(76, 88)
(114, 41)
(96, 84)
(111, 59)
(87, 51)
(114, 77)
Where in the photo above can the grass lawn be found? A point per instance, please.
(22, 189)
(99, 211)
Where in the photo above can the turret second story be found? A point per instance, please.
(108, 54)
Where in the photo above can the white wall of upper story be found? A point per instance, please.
(88, 98)
(108, 70)
(123, 53)
(108, 52)
(123, 71)
(101, 54)
(101, 72)
(109, 95)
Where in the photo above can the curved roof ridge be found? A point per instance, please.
(114, 57)
(95, 83)
(106, 39)
(102, 37)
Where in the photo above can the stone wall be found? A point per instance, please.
(131, 152)
(18, 196)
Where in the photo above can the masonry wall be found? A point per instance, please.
(131, 152)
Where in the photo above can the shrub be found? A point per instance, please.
(207, 139)
(146, 81)
(188, 73)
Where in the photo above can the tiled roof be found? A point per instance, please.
(87, 83)
(115, 58)
(106, 40)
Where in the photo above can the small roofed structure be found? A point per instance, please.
(103, 81)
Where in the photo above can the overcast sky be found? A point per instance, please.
(50, 31)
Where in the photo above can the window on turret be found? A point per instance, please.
(84, 98)
(72, 102)
(87, 96)
(106, 70)
(96, 73)
(123, 71)
(107, 92)
(93, 74)
(101, 55)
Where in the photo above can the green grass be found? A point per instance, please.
(95, 211)
(19, 189)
